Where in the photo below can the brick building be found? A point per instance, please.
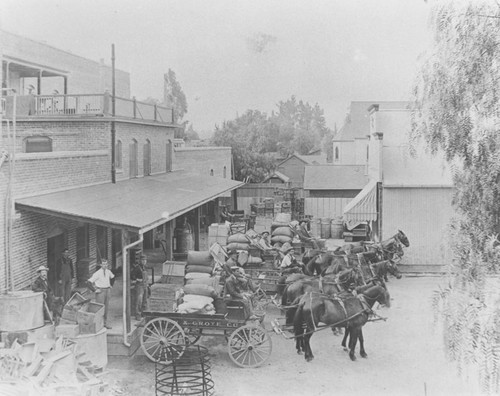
(74, 174)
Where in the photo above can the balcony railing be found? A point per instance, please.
(87, 105)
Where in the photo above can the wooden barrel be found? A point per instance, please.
(325, 227)
(337, 228)
(21, 310)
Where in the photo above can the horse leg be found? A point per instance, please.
(362, 351)
(353, 340)
(307, 346)
(344, 340)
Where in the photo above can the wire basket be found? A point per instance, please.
(187, 375)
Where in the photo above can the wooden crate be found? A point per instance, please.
(267, 278)
(164, 290)
(161, 304)
(90, 318)
(74, 304)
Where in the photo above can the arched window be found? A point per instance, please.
(224, 172)
(211, 172)
(118, 155)
(133, 163)
(147, 157)
(170, 155)
(336, 157)
(37, 144)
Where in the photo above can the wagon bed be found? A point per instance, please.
(166, 335)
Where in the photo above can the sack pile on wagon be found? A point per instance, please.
(201, 286)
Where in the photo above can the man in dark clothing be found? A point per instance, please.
(239, 287)
(64, 274)
(139, 281)
(231, 262)
(40, 284)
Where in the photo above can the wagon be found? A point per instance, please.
(166, 335)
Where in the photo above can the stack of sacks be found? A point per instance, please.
(282, 235)
(199, 265)
(199, 298)
(238, 241)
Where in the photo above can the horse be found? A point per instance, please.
(382, 268)
(349, 312)
(393, 247)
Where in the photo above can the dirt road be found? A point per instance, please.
(405, 358)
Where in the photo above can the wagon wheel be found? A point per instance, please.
(163, 340)
(192, 335)
(249, 346)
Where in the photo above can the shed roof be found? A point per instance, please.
(335, 177)
(135, 204)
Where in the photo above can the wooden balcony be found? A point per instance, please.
(85, 106)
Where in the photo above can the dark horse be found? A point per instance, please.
(349, 312)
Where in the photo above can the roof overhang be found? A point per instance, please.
(363, 206)
(137, 205)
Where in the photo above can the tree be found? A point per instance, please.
(173, 95)
(457, 97)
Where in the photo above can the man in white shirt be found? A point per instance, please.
(101, 280)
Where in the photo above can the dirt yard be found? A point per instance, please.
(405, 357)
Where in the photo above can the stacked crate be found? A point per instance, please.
(163, 297)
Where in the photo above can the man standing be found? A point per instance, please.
(139, 280)
(232, 261)
(64, 274)
(40, 284)
(101, 281)
(239, 287)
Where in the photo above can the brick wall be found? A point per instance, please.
(159, 136)
(203, 159)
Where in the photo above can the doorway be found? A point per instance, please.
(55, 246)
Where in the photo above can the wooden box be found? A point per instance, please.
(161, 304)
(90, 318)
(74, 304)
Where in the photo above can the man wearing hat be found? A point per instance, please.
(239, 287)
(101, 282)
(289, 263)
(139, 283)
(232, 261)
(40, 284)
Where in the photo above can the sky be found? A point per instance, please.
(233, 55)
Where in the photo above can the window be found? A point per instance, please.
(133, 163)
(101, 243)
(211, 172)
(118, 155)
(224, 173)
(367, 153)
(147, 158)
(37, 144)
(169, 156)
(336, 157)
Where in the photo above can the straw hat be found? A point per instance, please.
(42, 268)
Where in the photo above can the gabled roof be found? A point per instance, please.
(313, 159)
(357, 122)
(279, 175)
(335, 177)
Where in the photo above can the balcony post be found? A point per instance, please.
(135, 106)
(155, 112)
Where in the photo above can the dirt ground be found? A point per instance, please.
(405, 358)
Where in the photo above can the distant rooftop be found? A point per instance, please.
(335, 177)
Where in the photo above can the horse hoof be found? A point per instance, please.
(353, 358)
(364, 355)
(299, 352)
(308, 359)
(346, 350)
